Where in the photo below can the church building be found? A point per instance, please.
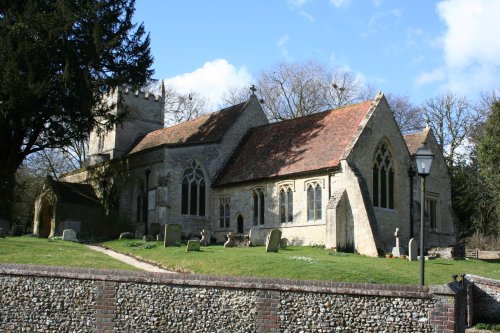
(342, 178)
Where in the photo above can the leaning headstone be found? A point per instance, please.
(230, 240)
(154, 229)
(2, 235)
(193, 245)
(396, 251)
(283, 243)
(172, 234)
(412, 250)
(273, 241)
(126, 235)
(148, 238)
(69, 235)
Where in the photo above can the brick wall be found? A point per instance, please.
(35, 298)
(483, 299)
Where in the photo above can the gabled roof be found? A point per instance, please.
(304, 144)
(414, 140)
(74, 192)
(206, 129)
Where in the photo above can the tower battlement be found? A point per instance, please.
(141, 94)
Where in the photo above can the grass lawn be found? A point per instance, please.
(42, 251)
(305, 263)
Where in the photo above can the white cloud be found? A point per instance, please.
(282, 47)
(374, 26)
(212, 79)
(297, 2)
(308, 16)
(434, 76)
(340, 3)
(472, 34)
(470, 45)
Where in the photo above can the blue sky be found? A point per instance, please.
(414, 48)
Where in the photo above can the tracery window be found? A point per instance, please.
(313, 202)
(193, 191)
(258, 206)
(224, 212)
(383, 178)
(286, 204)
(431, 211)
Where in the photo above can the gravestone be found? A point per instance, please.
(154, 229)
(412, 250)
(255, 239)
(205, 238)
(17, 230)
(193, 245)
(2, 235)
(230, 240)
(283, 243)
(69, 235)
(126, 235)
(396, 251)
(139, 231)
(148, 238)
(172, 234)
(273, 241)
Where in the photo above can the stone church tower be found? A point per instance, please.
(143, 114)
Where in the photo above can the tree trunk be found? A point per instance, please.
(7, 184)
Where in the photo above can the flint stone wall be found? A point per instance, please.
(35, 298)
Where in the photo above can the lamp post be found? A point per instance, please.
(423, 159)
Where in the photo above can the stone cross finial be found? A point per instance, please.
(253, 89)
(396, 234)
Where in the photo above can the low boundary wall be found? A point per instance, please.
(483, 299)
(36, 298)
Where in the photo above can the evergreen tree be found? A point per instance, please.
(489, 160)
(57, 59)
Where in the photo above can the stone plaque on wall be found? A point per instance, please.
(151, 199)
(162, 195)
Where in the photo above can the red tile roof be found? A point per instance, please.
(205, 129)
(414, 140)
(298, 145)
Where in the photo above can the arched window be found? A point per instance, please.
(313, 202)
(286, 204)
(193, 191)
(258, 206)
(383, 178)
(224, 212)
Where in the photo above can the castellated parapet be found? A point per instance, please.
(143, 114)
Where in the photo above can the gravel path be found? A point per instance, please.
(129, 260)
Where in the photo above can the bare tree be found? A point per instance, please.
(407, 115)
(344, 88)
(450, 117)
(293, 90)
(183, 107)
(234, 95)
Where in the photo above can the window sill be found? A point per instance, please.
(386, 210)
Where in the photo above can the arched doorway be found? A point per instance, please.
(46, 214)
(239, 223)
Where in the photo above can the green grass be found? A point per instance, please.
(305, 263)
(42, 251)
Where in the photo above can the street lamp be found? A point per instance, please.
(423, 159)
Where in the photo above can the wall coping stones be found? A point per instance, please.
(482, 280)
(232, 282)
